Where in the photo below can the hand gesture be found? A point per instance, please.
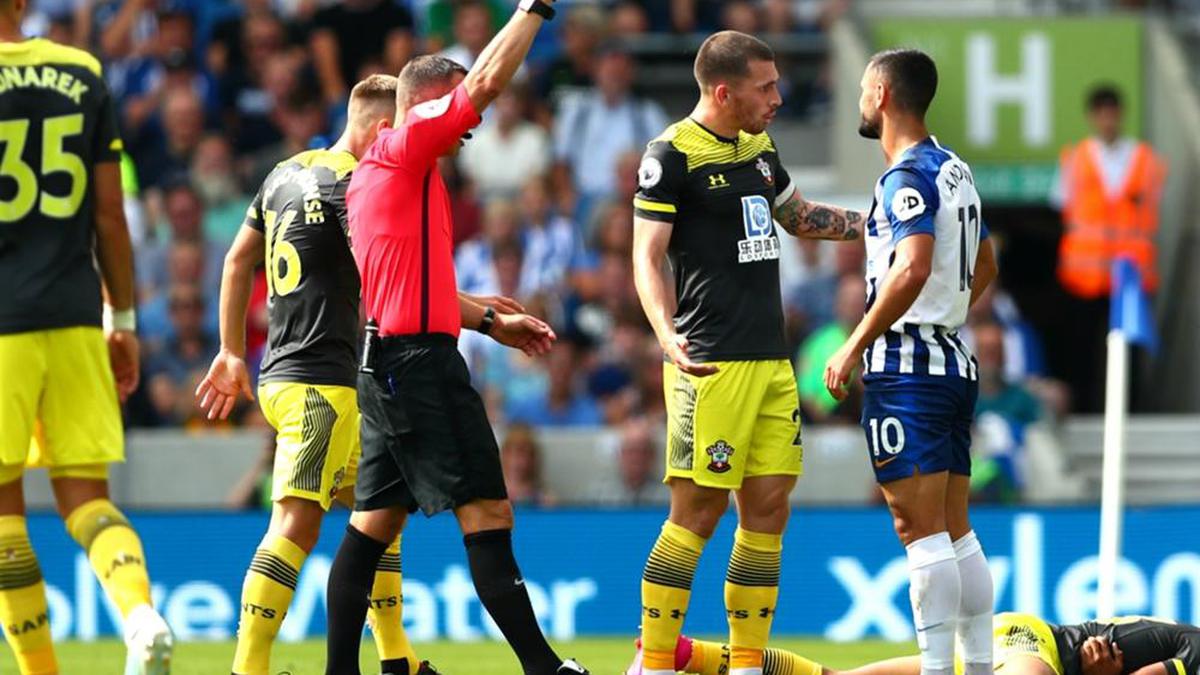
(676, 348)
(521, 331)
(123, 355)
(227, 378)
(1098, 656)
(839, 368)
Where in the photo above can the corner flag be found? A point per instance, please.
(1130, 308)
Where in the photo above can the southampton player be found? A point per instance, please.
(708, 187)
(1023, 645)
(928, 259)
(61, 373)
(297, 225)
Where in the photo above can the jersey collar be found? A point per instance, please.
(710, 132)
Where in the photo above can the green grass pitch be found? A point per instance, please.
(602, 656)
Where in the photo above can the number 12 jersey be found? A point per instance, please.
(928, 190)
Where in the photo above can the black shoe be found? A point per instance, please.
(572, 667)
(426, 669)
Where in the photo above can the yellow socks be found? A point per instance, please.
(666, 590)
(115, 552)
(387, 611)
(23, 613)
(266, 594)
(751, 591)
(710, 658)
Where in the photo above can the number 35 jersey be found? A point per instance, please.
(56, 124)
(312, 282)
(927, 191)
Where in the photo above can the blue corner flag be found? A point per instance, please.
(1130, 312)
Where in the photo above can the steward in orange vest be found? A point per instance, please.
(1104, 219)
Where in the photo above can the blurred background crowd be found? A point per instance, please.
(212, 93)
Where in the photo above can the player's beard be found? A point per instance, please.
(870, 128)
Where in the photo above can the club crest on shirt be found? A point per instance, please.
(337, 483)
(719, 452)
(765, 169)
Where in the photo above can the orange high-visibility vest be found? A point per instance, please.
(1098, 226)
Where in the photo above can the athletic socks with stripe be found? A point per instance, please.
(666, 592)
(751, 591)
(23, 612)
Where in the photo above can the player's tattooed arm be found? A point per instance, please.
(814, 220)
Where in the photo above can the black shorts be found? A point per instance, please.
(426, 440)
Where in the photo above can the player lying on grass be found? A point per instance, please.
(1022, 644)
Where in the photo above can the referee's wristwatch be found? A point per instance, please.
(488, 320)
(538, 7)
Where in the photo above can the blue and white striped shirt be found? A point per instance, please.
(928, 190)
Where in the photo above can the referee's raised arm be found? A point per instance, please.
(499, 61)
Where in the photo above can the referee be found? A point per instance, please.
(426, 440)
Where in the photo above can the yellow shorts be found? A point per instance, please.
(740, 422)
(316, 439)
(58, 403)
(1021, 635)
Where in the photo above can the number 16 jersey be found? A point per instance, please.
(312, 282)
(56, 124)
(928, 190)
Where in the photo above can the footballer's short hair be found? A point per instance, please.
(911, 77)
(726, 56)
(421, 73)
(373, 97)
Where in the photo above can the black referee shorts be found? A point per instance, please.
(426, 440)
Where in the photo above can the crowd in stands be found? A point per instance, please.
(212, 93)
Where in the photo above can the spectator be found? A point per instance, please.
(184, 213)
(1003, 413)
(594, 128)
(472, 31)
(628, 19)
(214, 177)
(742, 16)
(175, 365)
(574, 69)
(815, 401)
(695, 16)
(636, 481)
(1109, 190)
(475, 261)
(810, 304)
(521, 460)
(301, 119)
(169, 63)
(351, 33)
(249, 95)
(169, 155)
(509, 151)
(550, 243)
(440, 16)
(564, 402)
(778, 17)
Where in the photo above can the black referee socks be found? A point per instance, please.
(347, 598)
(502, 591)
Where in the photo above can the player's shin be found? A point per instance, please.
(934, 591)
(23, 613)
(751, 592)
(266, 594)
(975, 606)
(115, 552)
(666, 591)
(385, 616)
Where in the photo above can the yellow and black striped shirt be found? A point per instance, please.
(719, 194)
(56, 124)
